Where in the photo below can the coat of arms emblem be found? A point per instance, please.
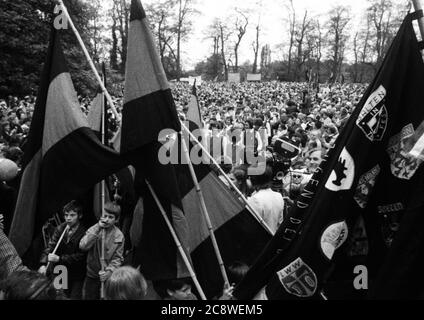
(298, 279)
(402, 165)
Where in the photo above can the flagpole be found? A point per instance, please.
(252, 210)
(178, 243)
(205, 214)
(58, 244)
(90, 61)
(102, 190)
(417, 7)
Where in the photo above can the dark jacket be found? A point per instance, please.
(69, 252)
(7, 204)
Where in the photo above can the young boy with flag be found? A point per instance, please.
(112, 256)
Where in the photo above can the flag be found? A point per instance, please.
(148, 109)
(94, 117)
(240, 237)
(193, 113)
(148, 104)
(63, 158)
(367, 174)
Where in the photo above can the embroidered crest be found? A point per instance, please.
(372, 119)
(333, 237)
(341, 178)
(365, 185)
(402, 164)
(298, 279)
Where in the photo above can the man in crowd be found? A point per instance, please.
(266, 202)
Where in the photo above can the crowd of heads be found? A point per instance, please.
(286, 115)
(294, 114)
(293, 124)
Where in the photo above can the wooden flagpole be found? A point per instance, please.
(205, 213)
(417, 6)
(252, 210)
(58, 244)
(102, 190)
(177, 242)
(90, 61)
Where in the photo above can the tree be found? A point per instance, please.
(220, 33)
(300, 35)
(241, 23)
(114, 49)
(24, 32)
(314, 43)
(162, 25)
(24, 28)
(95, 30)
(292, 24)
(255, 47)
(265, 60)
(183, 26)
(339, 17)
(361, 45)
(386, 18)
(120, 24)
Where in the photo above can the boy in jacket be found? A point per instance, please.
(113, 250)
(68, 253)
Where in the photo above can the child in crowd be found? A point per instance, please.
(113, 250)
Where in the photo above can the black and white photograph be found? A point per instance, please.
(228, 152)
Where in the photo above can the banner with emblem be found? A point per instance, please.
(369, 174)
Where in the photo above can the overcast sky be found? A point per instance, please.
(273, 21)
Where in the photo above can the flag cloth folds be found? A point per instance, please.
(193, 112)
(368, 173)
(96, 112)
(94, 116)
(240, 237)
(148, 104)
(63, 158)
(148, 109)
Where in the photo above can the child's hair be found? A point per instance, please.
(125, 283)
(236, 271)
(74, 205)
(113, 208)
(161, 286)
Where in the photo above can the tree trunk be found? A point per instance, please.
(256, 50)
(114, 49)
(224, 62)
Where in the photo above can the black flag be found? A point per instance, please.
(368, 174)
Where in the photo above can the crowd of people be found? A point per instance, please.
(292, 125)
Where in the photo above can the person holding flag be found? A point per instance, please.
(63, 248)
(111, 246)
